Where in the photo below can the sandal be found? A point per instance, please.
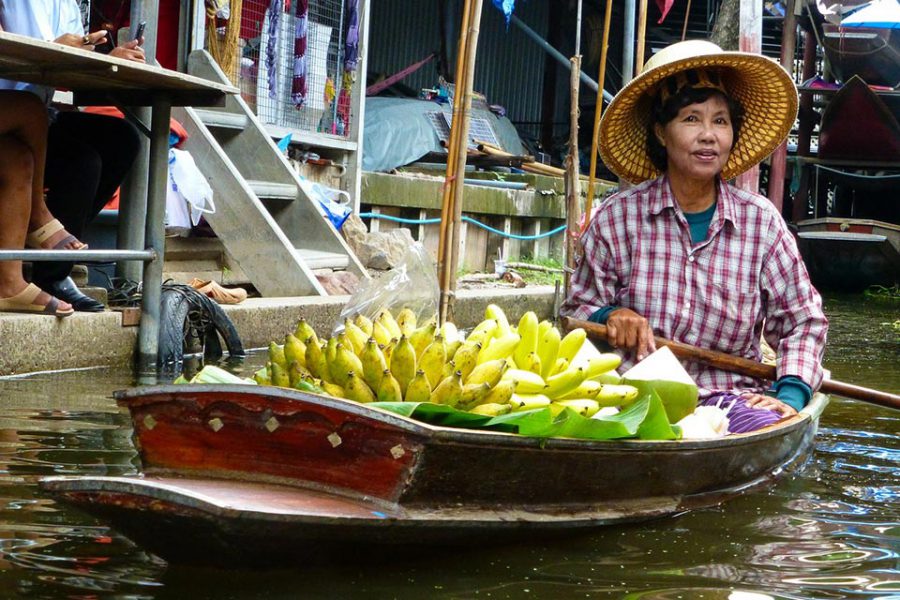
(24, 302)
(221, 295)
(36, 238)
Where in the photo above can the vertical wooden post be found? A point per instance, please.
(750, 41)
(573, 181)
(641, 37)
(779, 158)
(804, 136)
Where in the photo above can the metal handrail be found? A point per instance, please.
(79, 255)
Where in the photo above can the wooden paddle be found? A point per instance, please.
(744, 366)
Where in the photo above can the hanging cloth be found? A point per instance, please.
(351, 43)
(301, 62)
(506, 7)
(274, 12)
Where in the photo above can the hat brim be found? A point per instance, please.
(762, 86)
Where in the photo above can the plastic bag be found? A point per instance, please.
(333, 204)
(188, 196)
(412, 284)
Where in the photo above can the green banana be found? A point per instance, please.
(344, 362)
(315, 359)
(389, 390)
(294, 350)
(304, 331)
(333, 389)
(261, 377)
(276, 355)
(373, 363)
(403, 363)
(489, 372)
(357, 389)
(419, 389)
(279, 375)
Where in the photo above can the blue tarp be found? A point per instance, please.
(398, 132)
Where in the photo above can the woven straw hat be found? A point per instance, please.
(761, 85)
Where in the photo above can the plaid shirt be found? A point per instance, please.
(746, 279)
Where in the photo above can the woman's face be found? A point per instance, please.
(698, 140)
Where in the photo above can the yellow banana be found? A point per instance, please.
(597, 365)
(448, 369)
(356, 336)
(373, 364)
(344, 362)
(294, 350)
(304, 331)
(388, 322)
(450, 348)
(380, 333)
(489, 372)
(571, 344)
(296, 372)
(261, 377)
(276, 356)
(520, 402)
(450, 332)
(526, 382)
(616, 395)
(403, 363)
(498, 347)
(483, 331)
(330, 348)
(532, 362)
(279, 375)
(474, 393)
(561, 384)
(495, 312)
(333, 389)
(608, 377)
(433, 359)
(490, 409)
(315, 359)
(548, 348)
(561, 365)
(406, 321)
(389, 390)
(364, 323)
(357, 389)
(500, 393)
(448, 391)
(466, 357)
(586, 389)
(583, 406)
(419, 389)
(528, 333)
(388, 351)
(422, 337)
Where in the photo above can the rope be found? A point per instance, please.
(512, 236)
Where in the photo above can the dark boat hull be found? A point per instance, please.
(446, 486)
(850, 254)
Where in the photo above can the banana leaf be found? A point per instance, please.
(644, 419)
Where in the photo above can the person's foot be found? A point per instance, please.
(65, 289)
(53, 236)
(32, 300)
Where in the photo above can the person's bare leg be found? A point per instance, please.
(24, 116)
(16, 178)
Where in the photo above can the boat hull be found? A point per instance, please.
(446, 487)
(850, 254)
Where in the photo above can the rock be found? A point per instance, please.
(338, 283)
(354, 231)
(376, 250)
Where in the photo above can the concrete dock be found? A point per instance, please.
(30, 343)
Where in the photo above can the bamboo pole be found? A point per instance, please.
(641, 37)
(573, 187)
(687, 16)
(445, 240)
(458, 188)
(598, 111)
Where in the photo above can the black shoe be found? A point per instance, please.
(67, 291)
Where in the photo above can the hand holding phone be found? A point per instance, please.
(140, 31)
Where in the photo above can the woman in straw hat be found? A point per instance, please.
(687, 256)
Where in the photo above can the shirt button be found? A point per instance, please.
(690, 259)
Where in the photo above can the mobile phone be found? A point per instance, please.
(140, 30)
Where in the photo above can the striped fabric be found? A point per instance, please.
(742, 418)
(745, 279)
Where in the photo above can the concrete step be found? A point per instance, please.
(317, 259)
(194, 248)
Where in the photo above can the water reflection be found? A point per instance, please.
(831, 531)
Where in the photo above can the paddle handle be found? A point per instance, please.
(744, 366)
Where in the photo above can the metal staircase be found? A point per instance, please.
(270, 229)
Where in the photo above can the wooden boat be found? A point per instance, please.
(870, 53)
(247, 474)
(850, 254)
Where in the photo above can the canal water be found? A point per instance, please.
(831, 530)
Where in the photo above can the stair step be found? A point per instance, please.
(222, 120)
(194, 248)
(273, 191)
(317, 259)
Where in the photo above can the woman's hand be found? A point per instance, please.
(85, 42)
(628, 330)
(130, 51)
(770, 403)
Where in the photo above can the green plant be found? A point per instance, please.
(880, 292)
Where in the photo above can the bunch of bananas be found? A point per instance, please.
(495, 369)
